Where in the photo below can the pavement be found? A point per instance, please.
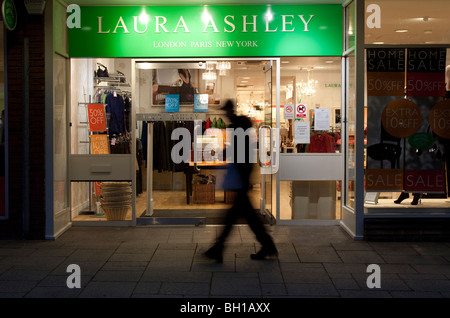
(168, 262)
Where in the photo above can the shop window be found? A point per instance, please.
(407, 164)
(310, 90)
(101, 106)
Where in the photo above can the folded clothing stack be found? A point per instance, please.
(204, 179)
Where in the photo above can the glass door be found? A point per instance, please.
(176, 189)
(267, 141)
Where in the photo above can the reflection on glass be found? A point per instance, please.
(351, 130)
(350, 25)
(59, 132)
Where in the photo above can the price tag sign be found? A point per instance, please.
(172, 103)
(97, 118)
(99, 144)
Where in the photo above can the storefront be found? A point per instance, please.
(281, 64)
(120, 80)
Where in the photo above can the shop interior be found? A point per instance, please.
(313, 81)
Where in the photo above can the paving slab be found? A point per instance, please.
(168, 262)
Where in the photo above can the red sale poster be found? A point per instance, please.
(425, 86)
(97, 118)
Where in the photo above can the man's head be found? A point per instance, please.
(229, 108)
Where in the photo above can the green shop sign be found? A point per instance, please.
(206, 31)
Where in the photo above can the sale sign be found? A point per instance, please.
(391, 118)
(439, 118)
(426, 72)
(385, 179)
(425, 180)
(99, 144)
(97, 118)
(385, 72)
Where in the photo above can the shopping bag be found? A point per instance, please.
(232, 180)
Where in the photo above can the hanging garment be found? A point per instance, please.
(115, 108)
(127, 115)
(160, 160)
(144, 141)
(320, 143)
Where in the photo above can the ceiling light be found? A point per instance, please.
(144, 18)
(206, 16)
(269, 14)
(143, 66)
(401, 30)
(209, 76)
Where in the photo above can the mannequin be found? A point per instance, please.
(405, 195)
(447, 81)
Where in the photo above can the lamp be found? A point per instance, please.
(308, 88)
(209, 76)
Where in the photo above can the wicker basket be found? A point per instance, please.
(230, 196)
(115, 200)
(116, 213)
(204, 193)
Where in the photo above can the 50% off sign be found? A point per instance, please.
(96, 116)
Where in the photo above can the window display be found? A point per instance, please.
(405, 139)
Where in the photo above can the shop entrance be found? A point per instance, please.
(192, 191)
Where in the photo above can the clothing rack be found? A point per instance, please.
(170, 116)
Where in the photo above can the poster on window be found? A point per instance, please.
(322, 119)
(288, 111)
(99, 144)
(405, 134)
(389, 119)
(201, 102)
(172, 103)
(302, 133)
(96, 117)
(300, 111)
(425, 148)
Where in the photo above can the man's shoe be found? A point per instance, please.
(264, 252)
(215, 253)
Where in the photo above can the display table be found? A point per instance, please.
(201, 165)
